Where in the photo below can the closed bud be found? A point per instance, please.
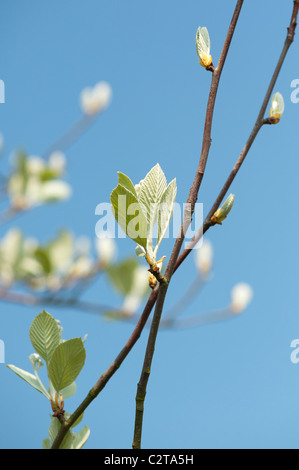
(241, 296)
(224, 210)
(277, 107)
(204, 258)
(203, 45)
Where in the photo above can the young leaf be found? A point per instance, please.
(45, 335)
(81, 438)
(66, 363)
(166, 209)
(203, 43)
(122, 275)
(126, 205)
(68, 391)
(203, 46)
(152, 189)
(30, 379)
(67, 442)
(46, 445)
(125, 181)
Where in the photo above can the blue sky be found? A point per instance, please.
(226, 385)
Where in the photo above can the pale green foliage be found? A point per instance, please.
(203, 46)
(50, 266)
(45, 335)
(130, 280)
(277, 107)
(64, 361)
(35, 181)
(138, 209)
(202, 41)
(224, 210)
(72, 440)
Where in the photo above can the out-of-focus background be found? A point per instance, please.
(226, 385)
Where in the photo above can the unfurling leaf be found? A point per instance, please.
(203, 46)
(224, 210)
(277, 107)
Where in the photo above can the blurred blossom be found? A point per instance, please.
(35, 181)
(54, 191)
(241, 296)
(96, 99)
(35, 165)
(82, 246)
(204, 257)
(57, 162)
(106, 249)
(80, 268)
(134, 298)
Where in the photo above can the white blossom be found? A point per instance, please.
(96, 99)
(105, 248)
(241, 296)
(204, 257)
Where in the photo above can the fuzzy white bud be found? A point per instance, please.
(241, 296)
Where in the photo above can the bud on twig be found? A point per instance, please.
(224, 210)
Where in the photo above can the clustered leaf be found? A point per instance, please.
(60, 262)
(64, 360)
(35, 181)
(138, 209)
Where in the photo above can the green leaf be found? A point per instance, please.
(45, 335)
(43, 259)
(81, 438)
(69, 391)
(78, 420)
(122, 275)
(140, 251)
(67, 442)
(129, 215)
(166, 209)
(125, 181)
(203, 44)
(46, 444)
(66, 363)
(30, 379)
(152, 189)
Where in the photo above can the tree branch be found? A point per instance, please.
(193, 194)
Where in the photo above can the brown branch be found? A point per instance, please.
(193, 194)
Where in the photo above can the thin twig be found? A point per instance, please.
(71, 135)
(204, 319)
(193, 194)
(186, 299)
